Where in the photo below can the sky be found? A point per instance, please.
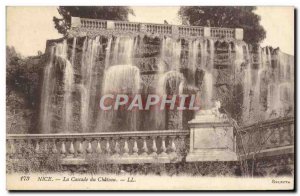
(28, 28)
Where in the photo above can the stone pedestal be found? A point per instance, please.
(75, 22)
(110, 24)
(239, 34)
(207, 32)
(211, 138)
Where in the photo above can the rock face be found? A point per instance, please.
(252, 83)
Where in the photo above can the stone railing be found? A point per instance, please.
(268, 138)
(163, 146)
(92, 23)
(206, 141)
(85, 25)
(222, 32)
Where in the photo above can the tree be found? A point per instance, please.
(23, 80)
(96, 12)
(226, 16)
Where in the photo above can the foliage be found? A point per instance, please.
(23, 80)
(226, 16)
(23, 75)
(96, 12)
(26, 160)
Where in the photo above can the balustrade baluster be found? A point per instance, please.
(107, 148)
(163, 146)
(71, 149)
(135, 147)
(89, 148)
(154, 148)
(144, 148)
(98, 148)
(54, 148)
(117, 148)
(126, 149)
(80, 148)
(63, 148)
(172, 144)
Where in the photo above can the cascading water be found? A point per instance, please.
(280, 90)
(193, 54)
(267, 85)
(247, 83)
(121, 51)
(170, 55)
(47, 90)
(261, 60)
(169, 83)
(68, 79)
(168, 68)
(73, 50)
(68, 88)
(120, 79)
(107, 54)
(206, 64)
(58, 57)
(89, 55)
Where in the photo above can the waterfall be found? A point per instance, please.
(73, 50)
(169, 83)
(68, 80)
(122, 50)
(68, 88)
(58, 55)
(280, 90)
(169, 66)
(90, 53)
(206, 64)
(47, 90)
(193, 54)
(268, 88)
(204, 55)
(247, 83)
(107, 55)
(274, 102)
(239, 57)
(120, 79)
(211, 53)
(170, 55)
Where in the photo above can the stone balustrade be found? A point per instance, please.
(113, 147)
(85, 24)
(92, 23)
(268, 138)
(222, 32)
